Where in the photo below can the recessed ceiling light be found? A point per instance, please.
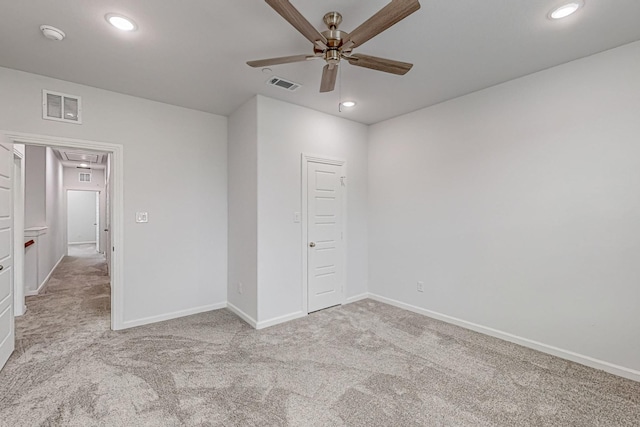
(566, 9)
(121, 22)
(83, 165)
(348, 104)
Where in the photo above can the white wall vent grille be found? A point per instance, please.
(61, 107)
(283, 84)
(85, 177)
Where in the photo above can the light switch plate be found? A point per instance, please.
(142, 217)
(296, 217)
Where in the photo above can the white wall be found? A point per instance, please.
(174, 168)
(518, 207)
(243, 209)
(81, 216)
(34, 202)
(44, 207)
(285, 131)
(54, 201)
(71, 178)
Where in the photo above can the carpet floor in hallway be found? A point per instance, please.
(362, 364)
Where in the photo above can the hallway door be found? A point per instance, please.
(7, 332)
(82, 217)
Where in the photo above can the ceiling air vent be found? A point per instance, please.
(283, 84)
(85, 177)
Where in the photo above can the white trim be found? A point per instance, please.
(241, 314)
(280, 319)
(173, 315)
(356, 298)
(621, 371)
(117, 204)
(18, 194)
(306, 158)
(81, 243)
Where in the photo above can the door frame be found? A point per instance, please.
(19, 307)
(314, 158)
(117, 206)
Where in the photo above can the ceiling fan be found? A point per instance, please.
(332, 45)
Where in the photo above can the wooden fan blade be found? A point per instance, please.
(389, 15)
(295, 18)
(380, 64)
(280, 60)
(329, 74)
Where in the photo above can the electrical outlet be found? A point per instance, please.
(240, 288)
(420, 287)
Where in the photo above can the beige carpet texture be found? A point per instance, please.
(362, 364)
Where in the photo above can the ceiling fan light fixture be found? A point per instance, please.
(566, 9)
(348, 104)
(121, 22)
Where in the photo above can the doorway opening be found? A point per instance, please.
(108, 238)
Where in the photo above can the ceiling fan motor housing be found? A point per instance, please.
(332, 19)
(332, 45)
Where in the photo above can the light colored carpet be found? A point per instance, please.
(364, 364)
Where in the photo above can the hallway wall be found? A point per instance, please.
(35, 192)
(44, 207)
(54, 210)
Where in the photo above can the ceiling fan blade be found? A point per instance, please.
(295, 18)
(389, 15)
(379, 64)
(280, 60)
(329, 74)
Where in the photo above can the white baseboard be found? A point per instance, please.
(241, 314)
(82, 243)
(355, 298)
(621, 371)
(46, 279)
(280, 319)
(173, 315)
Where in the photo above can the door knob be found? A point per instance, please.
(312, 245)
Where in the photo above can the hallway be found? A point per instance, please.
(76, 300)
(71, 311)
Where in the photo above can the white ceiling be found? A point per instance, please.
(73, 158)
(193, 53)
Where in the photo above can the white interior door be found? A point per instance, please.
(325, 260)
(82, 217)
(7, 336)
